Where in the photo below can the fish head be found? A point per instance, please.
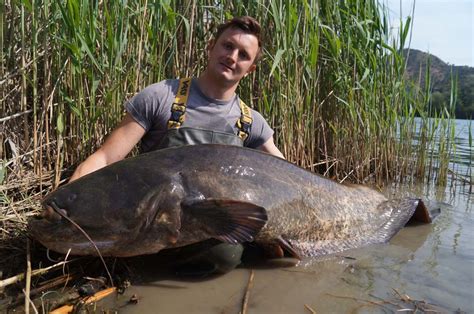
(90, 215)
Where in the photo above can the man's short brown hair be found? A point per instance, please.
(246, 23)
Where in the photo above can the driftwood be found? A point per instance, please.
(88, 300)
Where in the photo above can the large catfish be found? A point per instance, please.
(179, 196)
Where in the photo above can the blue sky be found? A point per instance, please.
(445, 28)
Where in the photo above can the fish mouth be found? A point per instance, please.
(57, 231)
(52, 212)
(48, 224)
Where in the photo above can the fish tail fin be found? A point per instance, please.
(401, 212)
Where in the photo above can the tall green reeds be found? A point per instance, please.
(331, 83)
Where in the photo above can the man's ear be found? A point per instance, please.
(252, 68)
(210, 45)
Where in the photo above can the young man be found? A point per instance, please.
(212, 105)
(197, 111)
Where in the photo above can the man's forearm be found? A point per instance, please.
(92, 163)
(269, 147)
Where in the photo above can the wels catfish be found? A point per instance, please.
(178, 196)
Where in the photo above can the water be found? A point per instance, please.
(432, 263)
(461, 160)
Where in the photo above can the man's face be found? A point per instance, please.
(232, 56)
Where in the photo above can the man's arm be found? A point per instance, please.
(116, 147)
(269, 147)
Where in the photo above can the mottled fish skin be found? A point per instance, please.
(135, 205)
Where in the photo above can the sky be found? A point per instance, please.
(444, 28)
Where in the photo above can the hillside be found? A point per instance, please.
(441, 81)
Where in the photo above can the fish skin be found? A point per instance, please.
(138, 205)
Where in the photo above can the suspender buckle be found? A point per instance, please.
(178, 108)
(245, 121)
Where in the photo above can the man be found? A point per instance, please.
(232, 55)
(197, 111)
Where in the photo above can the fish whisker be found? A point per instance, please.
(60, 212)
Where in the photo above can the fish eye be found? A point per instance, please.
(72, 197)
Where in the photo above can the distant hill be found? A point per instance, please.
(441, 81)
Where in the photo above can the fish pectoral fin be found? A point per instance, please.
(227, 220)
(288, 248)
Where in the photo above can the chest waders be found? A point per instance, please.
(211, 256)
(178, 135)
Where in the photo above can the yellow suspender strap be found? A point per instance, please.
(178, 108)
(245, 121)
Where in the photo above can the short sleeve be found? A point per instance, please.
(151, 105)
(260, 131)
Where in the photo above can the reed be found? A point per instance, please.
(331, 82)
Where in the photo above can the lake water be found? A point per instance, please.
(431, 263)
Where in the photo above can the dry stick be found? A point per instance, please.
(28, 301)
(28, 277)
(247, 293)
(47, 285)
(404, 298)
(20, 277)
(15, 115)
(57, 210)
(309, 309)
(324, 162)
(355, 169)
(20, 70)
(12, 160)
(332, 165)
(12, 91)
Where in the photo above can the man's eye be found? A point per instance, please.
(243, 55)
(227, 46)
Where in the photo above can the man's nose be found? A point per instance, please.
(232, 55)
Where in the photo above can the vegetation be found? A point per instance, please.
(331, 84)
(441, 74)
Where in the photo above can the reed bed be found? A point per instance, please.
(331, 84)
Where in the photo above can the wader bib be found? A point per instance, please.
(209, 256)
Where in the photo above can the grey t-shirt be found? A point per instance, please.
(151, 108)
